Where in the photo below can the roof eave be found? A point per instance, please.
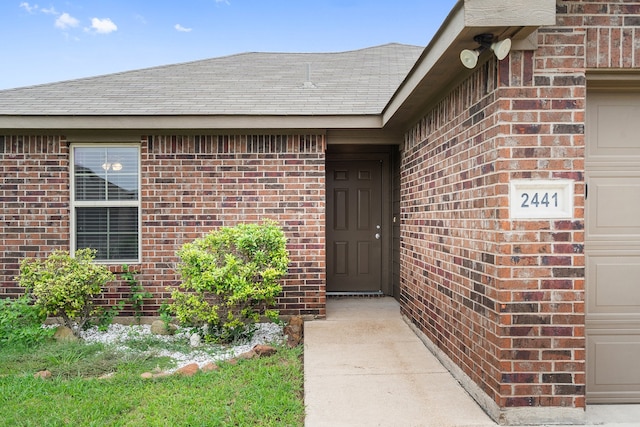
(439, 65)
(187, 122)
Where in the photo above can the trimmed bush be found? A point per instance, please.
(230, 278)
(65, 286)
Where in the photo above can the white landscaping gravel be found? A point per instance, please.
(265, 333)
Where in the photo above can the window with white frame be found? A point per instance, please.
(106, 201)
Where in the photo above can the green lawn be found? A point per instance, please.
(256, 392)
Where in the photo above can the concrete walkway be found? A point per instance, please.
(364, 366)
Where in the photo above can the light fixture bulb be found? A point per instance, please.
(501, 48)
(116, 166)
(106, 166)
(469, 58)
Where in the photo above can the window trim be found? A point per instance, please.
(104, 203)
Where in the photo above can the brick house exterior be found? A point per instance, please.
(504, 299)
(190, 184)
(501, 301)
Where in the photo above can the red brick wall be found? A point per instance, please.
(451, 200)
(505, 299)
(34, 202)
(190, 185)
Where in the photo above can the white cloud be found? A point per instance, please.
(223, 1)
(65, 21)
(51, 11)
(35, 8)
(182, 29)
(26, 6)
(103, 26)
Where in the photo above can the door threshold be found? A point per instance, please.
(364, 294)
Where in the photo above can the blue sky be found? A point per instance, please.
(44, 41)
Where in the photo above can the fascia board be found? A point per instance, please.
(509, 13)
(36, 123)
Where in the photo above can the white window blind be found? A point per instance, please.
(106, 201)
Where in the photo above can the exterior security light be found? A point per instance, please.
(469, 58)
(501, 49)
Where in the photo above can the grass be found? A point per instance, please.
(255, 392)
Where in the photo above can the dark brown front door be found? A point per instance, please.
(354, 226)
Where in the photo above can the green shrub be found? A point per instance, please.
(66, 286)
(21, 322)
(230, 278)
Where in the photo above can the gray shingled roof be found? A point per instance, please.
(359, 82)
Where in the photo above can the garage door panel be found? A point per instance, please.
(614, 207)
(616, 284)
(614, 125)
(613, 366)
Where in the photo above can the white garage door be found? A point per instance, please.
(612, 247)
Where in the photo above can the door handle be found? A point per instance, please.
(378, 236)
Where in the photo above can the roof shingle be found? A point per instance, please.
(359, 82)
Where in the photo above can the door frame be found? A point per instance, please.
(385, 154)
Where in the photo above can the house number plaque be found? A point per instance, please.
(541, 199)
